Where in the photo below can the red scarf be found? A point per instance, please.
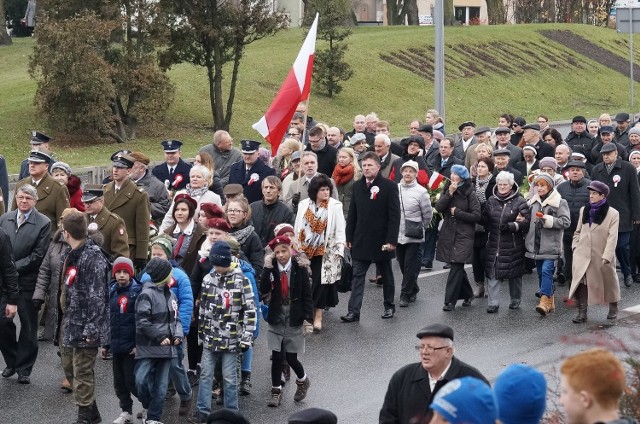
(343, 174)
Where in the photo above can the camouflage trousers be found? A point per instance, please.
(78, 365)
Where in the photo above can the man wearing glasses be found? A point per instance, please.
(543, 121)
(413, 387)
(517, 127)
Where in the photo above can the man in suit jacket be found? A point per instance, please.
(174, 169)
(503, 135)
(413, 387)
(468, 139)
(372, 230)
(131, 203)
(431, 146)
(29, 234)
(250, 172)
(53, 197)
(382, 147)
(115, 240)
(445, 159)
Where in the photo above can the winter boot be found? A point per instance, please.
(275, 398)
(84, 415)
(478, 292)
(245, 384)
(581, 299)
(543, 306)
(613, 310)
(301, 390)
(95, 414)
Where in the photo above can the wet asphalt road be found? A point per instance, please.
(350, 364)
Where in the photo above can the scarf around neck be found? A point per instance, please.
(481, 188)
(242, 234)
(343, 174)
(594, 210)
(196, 193)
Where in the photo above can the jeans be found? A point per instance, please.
(152, 379)
(247, 358)
(546, 268)
(429, 245)
(229, 378)
(178, 375)
(357, 291)
(409, 260)
(623, 252)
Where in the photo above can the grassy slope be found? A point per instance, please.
(395, 94)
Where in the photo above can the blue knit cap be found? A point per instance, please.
(460, 171)
(521, 395)
(220, 254)
(466, 400)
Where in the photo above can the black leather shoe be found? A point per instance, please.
(388, 313)
(8, 372)
(24, 379)
(492, 309)
(446, 266)
(448, 307)
(628, 280)
(350, 317)
(515, 304)
(466, 302)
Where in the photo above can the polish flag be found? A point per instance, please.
(435, 180)
(295, 89)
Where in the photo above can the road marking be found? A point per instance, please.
(441, 271)
(633, 309)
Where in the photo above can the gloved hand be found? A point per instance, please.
(295, 200)
(139, 264)
(37, 303)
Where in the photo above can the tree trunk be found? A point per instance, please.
(232, 91)
(449, 17)
(495, 12)
(392, 12)
(5, 40)
(411, 11)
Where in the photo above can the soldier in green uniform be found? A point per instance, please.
(110, 225)
(53, 197)
(131, 203)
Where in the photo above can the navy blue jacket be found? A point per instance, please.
(161, 172)
(122, 306)
(252, 188)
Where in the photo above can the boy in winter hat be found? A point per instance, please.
(521, 395)
(123, 292)
(226, 321)
(465, 400)
(158, 333)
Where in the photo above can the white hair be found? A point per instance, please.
(206, 174)
(505, 176)
(385, 138)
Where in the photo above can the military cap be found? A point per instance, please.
(481, 130)
(38, 138)
(503, 130)
(437, 330)
(40, 156)
(249, 146)
(607, 129)
(609, 147)
(313, 416)
(232, 189)
(171, 146)
(425, 128)
(123, 160)
(120, 152)
(498, 152)
(621, 117)
(535, 127)
(466, 124)
(91, 192)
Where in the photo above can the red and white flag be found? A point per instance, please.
(435, 180)
(295, 89)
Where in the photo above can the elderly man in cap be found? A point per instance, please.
(483, 136)
(37, 141)
(131, 203)
(412, 388)
(579, 136)
(414, 146)
(223, 153)
(174, 169)
(358, 142)
(531, 137)
(501, 158)
(53, 197)
(503, 135)
(250, 171)
(621, 134)
(622, 179)
(606, 137)
(29, 233)
(158, 194)
(293, 175)
(431, 146)
(468, 139)
(381, 146)
(111, 226)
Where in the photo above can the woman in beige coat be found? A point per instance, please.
(594, 255)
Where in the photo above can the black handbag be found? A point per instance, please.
(412, 229)
(343, 285)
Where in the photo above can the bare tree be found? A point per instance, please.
(5, 40)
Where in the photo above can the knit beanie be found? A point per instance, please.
(234, 245)
(220, 254)
(460, 171)
(123, 264)
(282, 229)
(548, 162)
(165, 242)
(466, 400)
(546, 178)
(226, 416)
(634, 130)
(159, 270)
(521, 394)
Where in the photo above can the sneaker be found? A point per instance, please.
(185, 407)
(198, 418)
(276, 397)
(152, 422)
(192, 375)
(124, 418)
(245, 385)
(301, 390)
(142, 415)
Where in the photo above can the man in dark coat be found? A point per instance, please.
(503, 135)
(327, 154)
(250, 172)
(9, 293)
(174, 169)
(158, 195)
(624, 196)
(575, 192)
(444, 160)
(606, 136)
(413, 387)
(502, 163)
(468, 140)
(431, 146)
(372, 234)
(414, 146)
(621, 135)
(270, 211)
(29, 233)
(579, 136)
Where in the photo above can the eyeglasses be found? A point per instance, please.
(428, 349)
(293, 134)
(234, 211)
(21, 198)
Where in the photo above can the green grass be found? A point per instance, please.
(396, 94)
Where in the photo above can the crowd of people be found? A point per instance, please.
(182, 259)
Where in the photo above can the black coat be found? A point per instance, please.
(252, 249)
(161, 172)
(446, 170)
(624, 195)
(584, 140)
(544, 150)
(371, 223)
(266, 217)
(521, 166)
(122, 304)
(518, 177)
(505, 248)
(327, 158)
(8, 273)
(252, 188)
(455, 242)
(299, 292)
(577, 196)
(396, 175)
(409, 395)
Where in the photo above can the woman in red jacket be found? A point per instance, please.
(61, 172)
